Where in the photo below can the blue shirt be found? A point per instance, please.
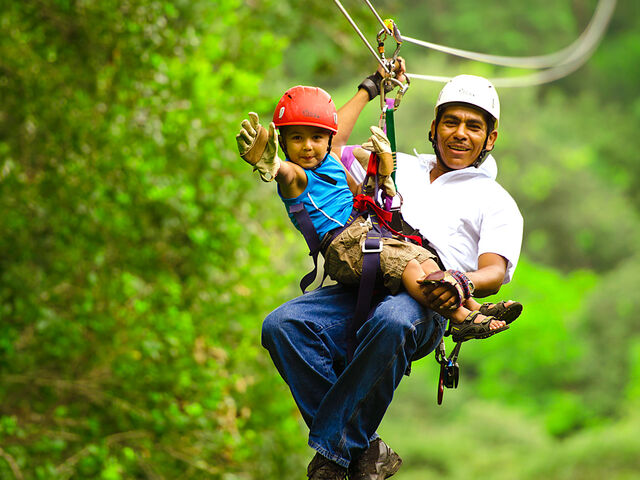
(327, 197)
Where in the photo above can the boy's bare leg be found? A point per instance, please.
(472, 304)
(414, 271)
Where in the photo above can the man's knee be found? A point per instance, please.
(398, 313)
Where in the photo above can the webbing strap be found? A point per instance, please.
(311, 237)
(314, 242)
(370, 267)
(363, 201)
(391, 134)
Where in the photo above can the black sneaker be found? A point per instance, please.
(376, 463)
(322, 468)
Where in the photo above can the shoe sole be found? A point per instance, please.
(479, 337)
(511, 314)
(389, 471)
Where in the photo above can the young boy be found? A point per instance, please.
(313, 176)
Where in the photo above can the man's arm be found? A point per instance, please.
(348, 114)
(487, 280)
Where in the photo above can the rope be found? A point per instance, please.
(364, 39)
(558, 64)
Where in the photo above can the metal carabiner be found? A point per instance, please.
(383, 92)
(390, 27)
(449, 368)
(388, 79)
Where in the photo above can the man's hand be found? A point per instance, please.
(444, 290)
(399, 69)
(372, 83)
(259, 148)
(441, 297)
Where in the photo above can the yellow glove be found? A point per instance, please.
(259, 148)
(379, 144)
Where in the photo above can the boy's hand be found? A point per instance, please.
(248, 138)
(379, 143)
(259, 148)
(269, 163)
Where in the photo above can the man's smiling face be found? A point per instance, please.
(460, 135)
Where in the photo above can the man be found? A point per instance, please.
(475, 227)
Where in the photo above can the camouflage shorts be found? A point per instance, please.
(343, 258)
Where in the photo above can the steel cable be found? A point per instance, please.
(554, 66)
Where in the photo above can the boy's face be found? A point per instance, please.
(306, 146)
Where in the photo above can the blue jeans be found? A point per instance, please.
(341, 403)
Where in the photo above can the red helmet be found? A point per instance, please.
(306, 106)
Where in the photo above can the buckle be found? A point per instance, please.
(377, 249)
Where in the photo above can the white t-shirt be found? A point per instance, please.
(463, 213)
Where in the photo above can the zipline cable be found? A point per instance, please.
(578, 57)
(364, 39)
(557, 65)
(384, 25)
(574, 56)
(600, 19)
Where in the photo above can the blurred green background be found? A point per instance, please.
(139, 255)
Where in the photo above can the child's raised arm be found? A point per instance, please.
(256, 148)
(259, 148)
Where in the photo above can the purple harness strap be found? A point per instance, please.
(313, 242)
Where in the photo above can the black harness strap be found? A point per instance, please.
(311, 237)
(370, 267)
(315, 244)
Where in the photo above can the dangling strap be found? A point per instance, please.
(315, 244)
(391, 134)
(311, 237)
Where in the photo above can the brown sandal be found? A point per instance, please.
(469, 329)
(502, 311)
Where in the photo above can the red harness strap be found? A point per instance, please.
(362, 202)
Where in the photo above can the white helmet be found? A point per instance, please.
(476, 91)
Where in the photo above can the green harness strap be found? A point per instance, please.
(391, 135)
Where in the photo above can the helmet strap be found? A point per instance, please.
(483, 154)
(283, 147)
(434, 143)
(327, 154)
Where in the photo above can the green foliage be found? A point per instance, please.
(138, 255)
(133, 257)
(610, 338)
(535, 364)
(467, 437)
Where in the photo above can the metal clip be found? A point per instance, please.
(388, 64)
(377, 249)
(449, 369)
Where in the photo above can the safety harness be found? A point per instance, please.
(376, 207)
(371, 204)
(385, 223)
